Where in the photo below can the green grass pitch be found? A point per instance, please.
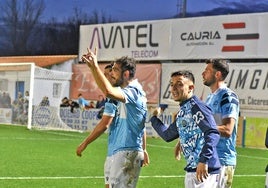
(47, 159)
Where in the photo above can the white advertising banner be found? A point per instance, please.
(47, 117)
(248, 80)
(141, 40)
(84, 120)
(230, 36)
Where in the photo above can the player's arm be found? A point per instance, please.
(211, 137)
(229, 117)
(106, 87)
(166, 133)
(146, 155)
(177, 150)
(102, 82)
(227, 127)
(97, 131)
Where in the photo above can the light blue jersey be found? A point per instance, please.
(83, 102)
(110, 109)
(127, 128)
(224, 103)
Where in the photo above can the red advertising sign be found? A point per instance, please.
(149, 75)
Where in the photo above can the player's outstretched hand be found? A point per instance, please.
(80, 149)
(157, 111)
(90, 58)
(146, 160)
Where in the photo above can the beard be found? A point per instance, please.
(206, 83)
(209, 82)
(118, 83)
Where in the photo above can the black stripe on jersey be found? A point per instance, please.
(226, 99)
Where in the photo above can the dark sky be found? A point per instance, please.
(123, 10)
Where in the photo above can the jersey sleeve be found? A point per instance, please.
(207, 124)
(229, 105)
(110, 108)
(169, 133)
(130, 94)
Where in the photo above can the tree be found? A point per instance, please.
(19, 17)
(23, 33)
(63, 37)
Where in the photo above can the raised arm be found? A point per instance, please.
(106, 87)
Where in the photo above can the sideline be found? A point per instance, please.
(101, 177)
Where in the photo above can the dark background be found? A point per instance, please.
(23, 32)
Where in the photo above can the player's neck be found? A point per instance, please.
(216, 86)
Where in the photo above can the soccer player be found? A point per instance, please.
(105, 122)
(224, 104)
(127, 131)
(110, 108)
(196, 128)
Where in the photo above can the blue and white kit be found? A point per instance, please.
(196, 128)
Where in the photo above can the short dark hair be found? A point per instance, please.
(184, 73)
(127, 63)
(221, 65)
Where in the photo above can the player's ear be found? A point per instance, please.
(218, 75)
(126, 74)
(191, 88)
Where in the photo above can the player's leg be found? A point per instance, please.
(222, 178)
(191, 181)
(125, 170)
(211, 181)
(226, 176)
(229, 171)
(107, 170)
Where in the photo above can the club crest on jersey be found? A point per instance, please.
(184, 123)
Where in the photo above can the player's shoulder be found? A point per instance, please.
(198, 103)
(226, 93)
(112, 101)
